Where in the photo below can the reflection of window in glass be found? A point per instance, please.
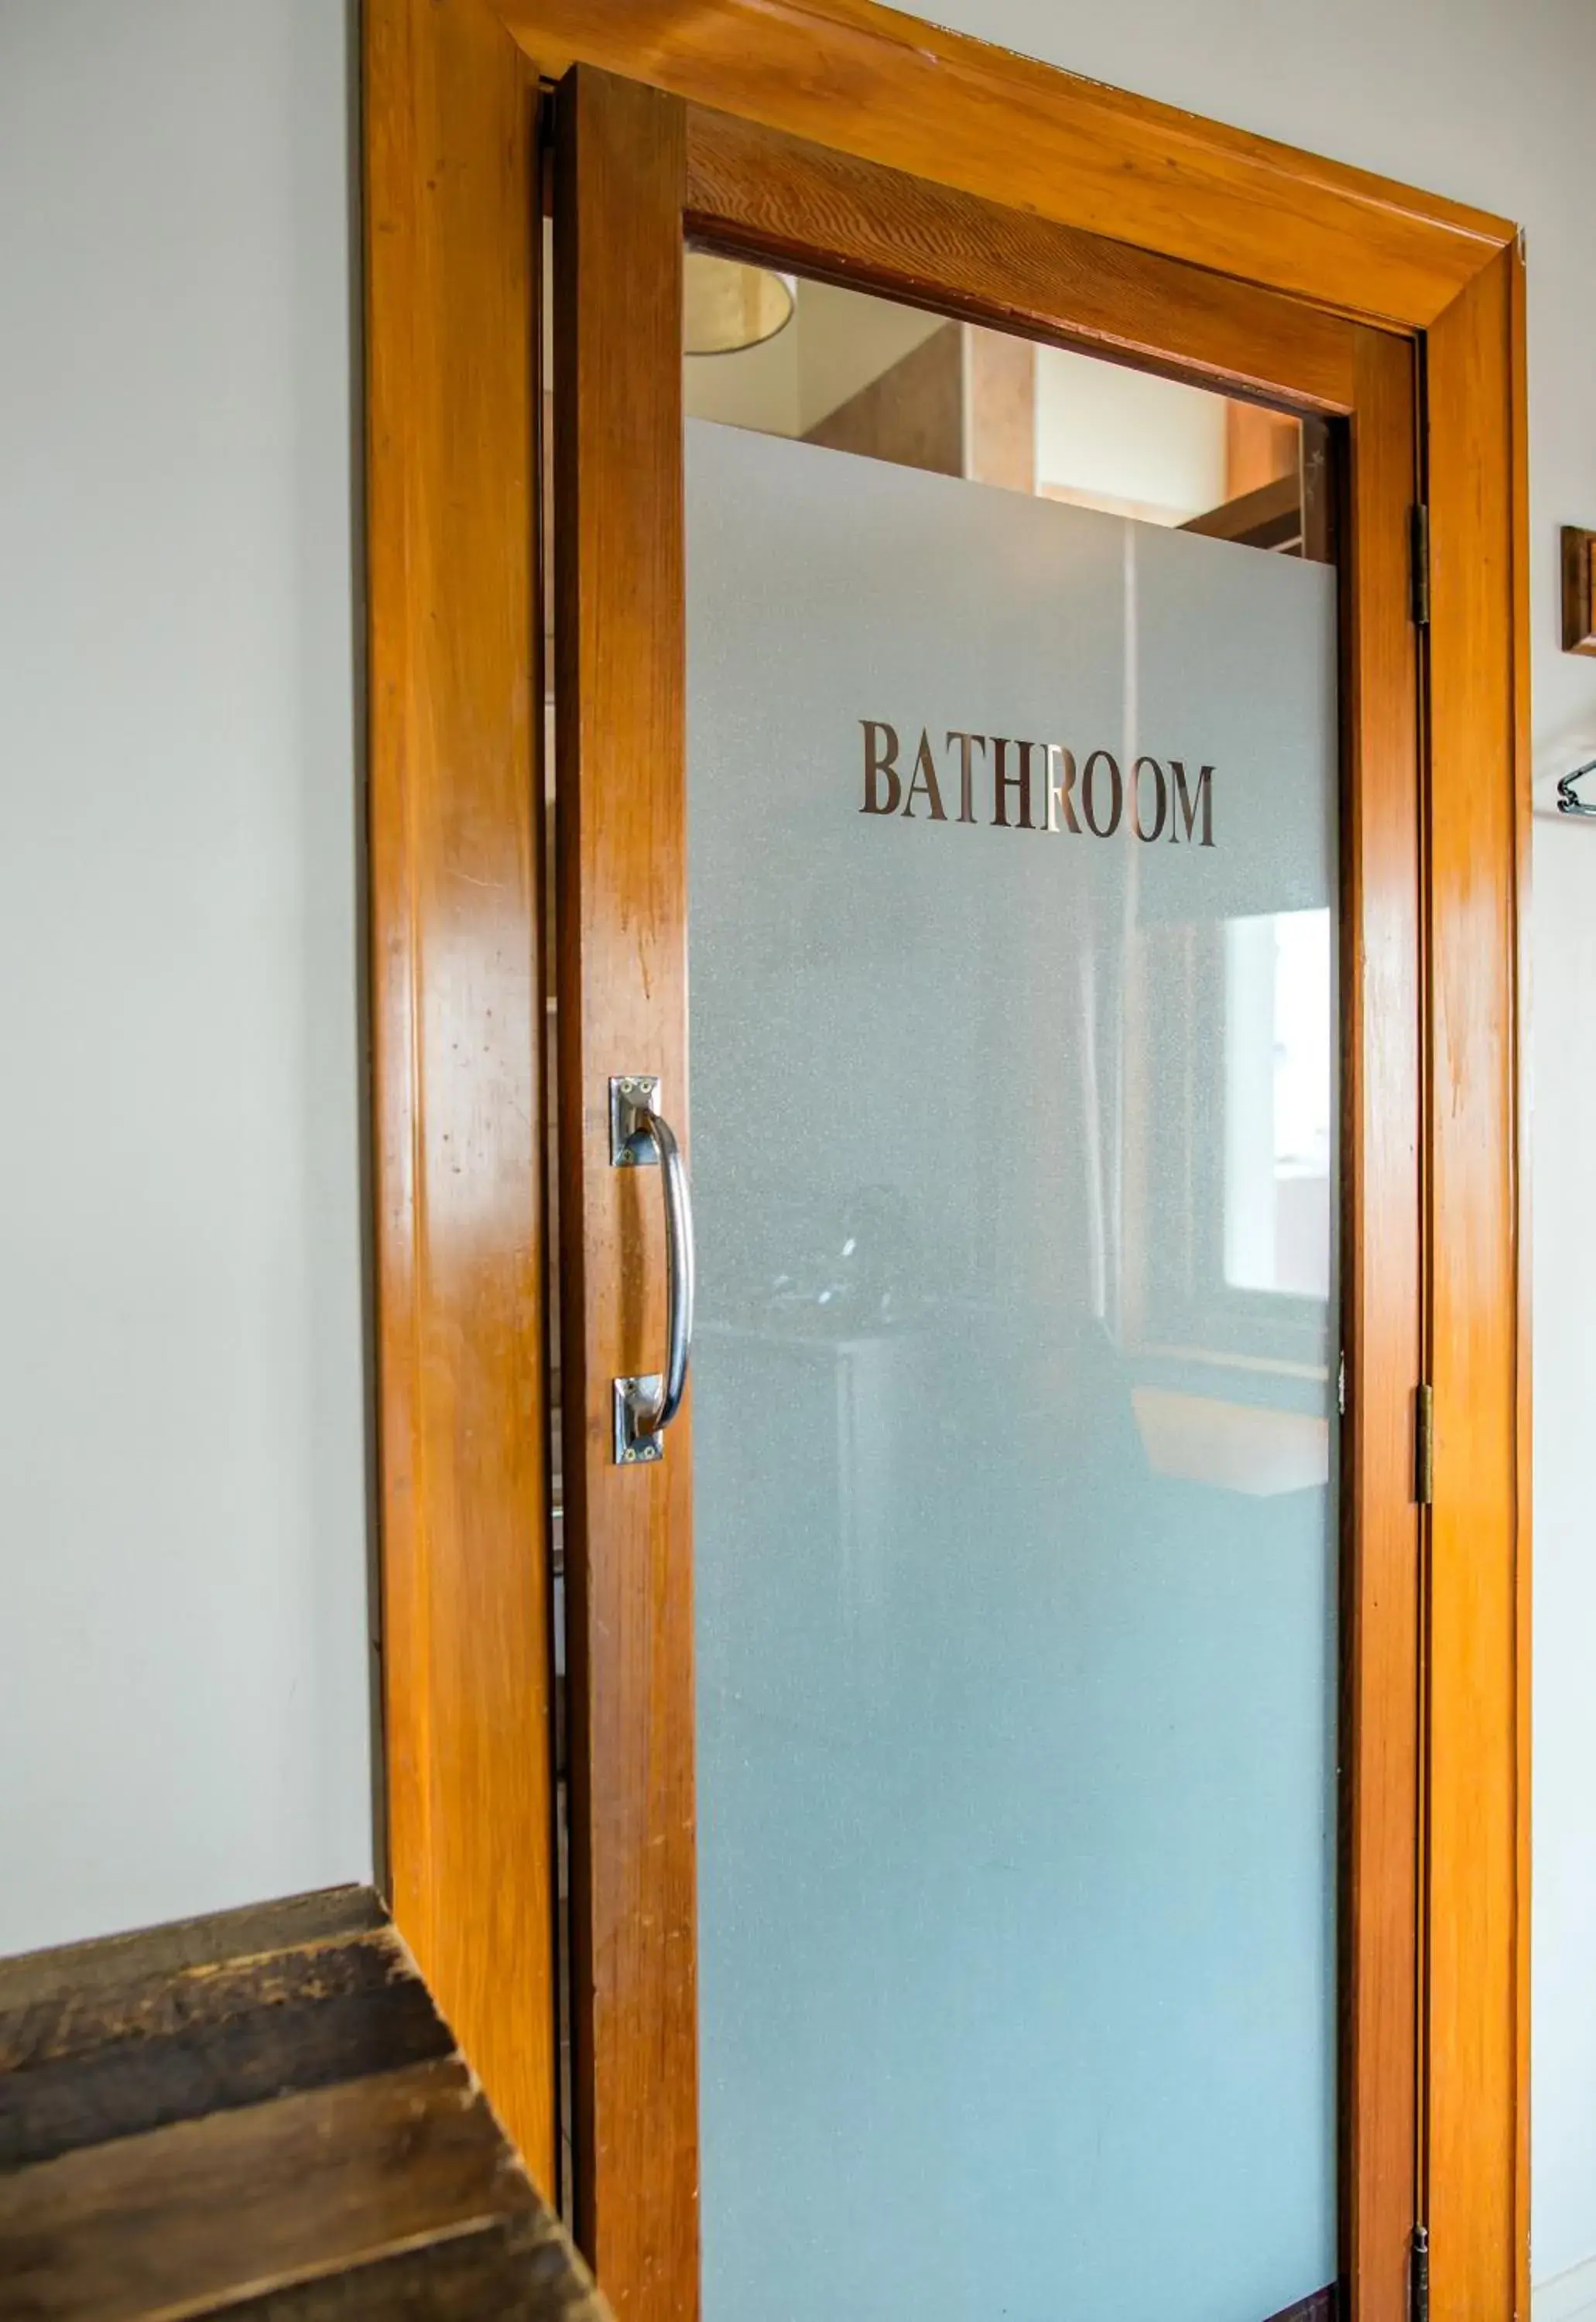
(1277, 1102)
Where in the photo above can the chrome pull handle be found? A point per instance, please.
(639, 1137)
(680, 1277)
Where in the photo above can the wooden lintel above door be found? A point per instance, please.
(952, 111)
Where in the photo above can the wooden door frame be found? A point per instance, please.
(450, 92)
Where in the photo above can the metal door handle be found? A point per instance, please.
(640, 1136)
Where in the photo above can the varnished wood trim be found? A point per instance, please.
(451, 293)
(955, 111)
(790, 202)
(893, 93)
(1381, 1140)
(1477, 1639)
(620, 644)
(1520, 668)
(164, 2223)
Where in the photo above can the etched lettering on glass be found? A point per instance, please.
(967, 747)
(1188, 805)
(1091, 803)
(922, 783)
(1161, 800)
(880, 762)
(1091, 783)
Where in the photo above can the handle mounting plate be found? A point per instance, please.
(631, 1145)
(629, 1396)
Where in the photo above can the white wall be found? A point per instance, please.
(183, 1657)
(1155, 448)
(1486, 100)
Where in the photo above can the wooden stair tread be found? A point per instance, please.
(207, 2039)
(517, 2270)
(111, 1963)
(261, 2114)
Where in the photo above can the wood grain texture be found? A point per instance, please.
(1382, 1127)
(161, 2222)
(283, 2130)
(1260, 447)
(1477, 1637)
(515, 2270)
(620, 746)
(73, 1976)
(457, 1011)
(784, 199)
(958, 112)
(1523, 1671)
(205, 2042)
(154, 2004)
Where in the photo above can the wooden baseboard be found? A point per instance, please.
(1320, 2307)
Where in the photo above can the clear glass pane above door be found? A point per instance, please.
(1011, 819)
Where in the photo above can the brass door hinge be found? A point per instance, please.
(1418, 2275)
(1424, 1444)
(1418, 542)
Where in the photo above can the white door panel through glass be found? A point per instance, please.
(1012, 890)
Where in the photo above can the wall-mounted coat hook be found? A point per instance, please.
(1568, 800)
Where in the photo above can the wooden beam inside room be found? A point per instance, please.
(960, 403)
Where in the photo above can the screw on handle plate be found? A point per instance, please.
(634, 1403)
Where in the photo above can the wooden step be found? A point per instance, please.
(259, 2114)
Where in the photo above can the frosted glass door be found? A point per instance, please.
(1011, 981)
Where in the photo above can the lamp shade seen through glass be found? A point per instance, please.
(727, 305)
